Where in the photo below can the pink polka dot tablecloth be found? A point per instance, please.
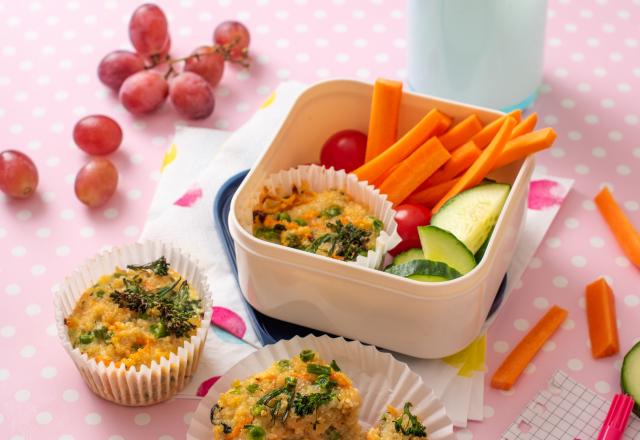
(50, 51)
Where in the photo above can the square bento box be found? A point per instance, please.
(425, 320)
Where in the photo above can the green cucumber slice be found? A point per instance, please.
(424, 270)
(478, 255)
(472, 214)
(440, 245)
(630, 376)
(406, 256)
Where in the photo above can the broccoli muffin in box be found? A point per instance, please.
(396, 425)
(295, 399)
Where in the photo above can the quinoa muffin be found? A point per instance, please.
(394, 425)
(304, 398)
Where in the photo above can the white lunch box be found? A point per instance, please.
(425, 320)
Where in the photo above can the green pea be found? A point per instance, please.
(99, 293)
(300, 222)
(256, 432)
(284, 364)
(86, 338)
(158, 330)
(331, 211)
(307, 355)
(257, 410)
(252, 388)
(283, 216)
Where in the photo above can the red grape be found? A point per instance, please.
(97, 134)
(209, 64)
(235, 36)
(191, 96)
(409, 217)
(18, 174)
(148, 29)
(96, 182)
(117, 66)
(144, 92)
(344, 150)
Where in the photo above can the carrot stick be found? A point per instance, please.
(414, 170)
(525, 126)
(430, 196)
(386, 174)
(461, 132)
(524, 145)
(508, 372)
(484, 137)
(622, 228)
(601, 315)
(432, 124)
(383, 120)
(461, 159)
(483, 165)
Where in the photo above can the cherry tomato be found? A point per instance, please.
(409, 217)
(344, 150)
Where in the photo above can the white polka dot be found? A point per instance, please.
(33, 309)
(282, 43)
(67, 214)
(578, 261)
(623, 170)
(382, 57)
(500, 346)
(283, 73)
(623, 87)
(142, 419)
(549, 346)
(568, 324)
(521, 324)
(165, 437)
(93, 418)
(571, 223)
(263, 90)
(87, 231)
(581, 302)
(568, 103)
(4, 374)
(63, 251)
(38, 269)
(541, 302)
(596, 242)
(631, 119)
(555, 42)
(136, 158)
(602, 387)
(591, 119)
(545, 88)
(464, 434)
(616, 57)
(18, 251)
(575, 364)
(632, 300)
(550, 119)
(582, 169)
(52, 330)
(561, 72)
(632, 205)
(7, 331)
(322, 73)
(560, 281)
(588, 205)
(22, 395)
(575, 135)
(12, 289)
(558, 152)
(578, 57)
(116, 437)
(28, 351)
(600, 72)
(535, 263)
(342, 57)
(242, 107)
(24, 215)
(510, 392)
(110, 213)
(554, 242)
(134, 194)
(66, 437)
(49, 372)
(70, 395)
(488, 411)
(530, 369)
(599, 152)
(615, 135)
(363, 73)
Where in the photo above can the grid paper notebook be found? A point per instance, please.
(567, 410)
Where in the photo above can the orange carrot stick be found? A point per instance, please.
(461, 132)
(601, 316)
(430, 196)
(434, 123)
(524, 145)
(461, 159)
(386, 174)
(414, 170)
(508, 372)
(525, 126)
(383, 120)
(484, 164)
(484, 137)
(622, 228)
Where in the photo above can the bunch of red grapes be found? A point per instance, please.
(143, 80)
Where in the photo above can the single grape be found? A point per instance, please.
(209, 64)
(117, 66)
(148, 29)
(144, 92)
(191, 96)
(18, 174)
(96, 182)
(97, 134)
(235, 36)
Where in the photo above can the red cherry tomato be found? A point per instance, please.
(344, 150)
(409, 217)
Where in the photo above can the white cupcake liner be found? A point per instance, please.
(150, 383)
(379, 377)
(319, 178)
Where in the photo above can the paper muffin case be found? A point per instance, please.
(379, 377)
(319, 178)
(148, 384)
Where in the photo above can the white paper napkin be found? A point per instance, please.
(200, 160)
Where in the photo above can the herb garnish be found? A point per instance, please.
(307, 355)
(334, 365)
(159, 267)
(408, 424)
(306, 404)
(214, 420)
(320, 370)
(272, 401)
(346, 240)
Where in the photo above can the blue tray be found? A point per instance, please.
(270, 330)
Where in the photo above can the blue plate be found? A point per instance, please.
(270, 330)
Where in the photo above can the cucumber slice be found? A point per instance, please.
(441, 245)
(406, 256)
(630, 376)
(424, 270)
(478, 255)
(471, 214)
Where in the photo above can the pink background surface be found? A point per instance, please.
(50, 51)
